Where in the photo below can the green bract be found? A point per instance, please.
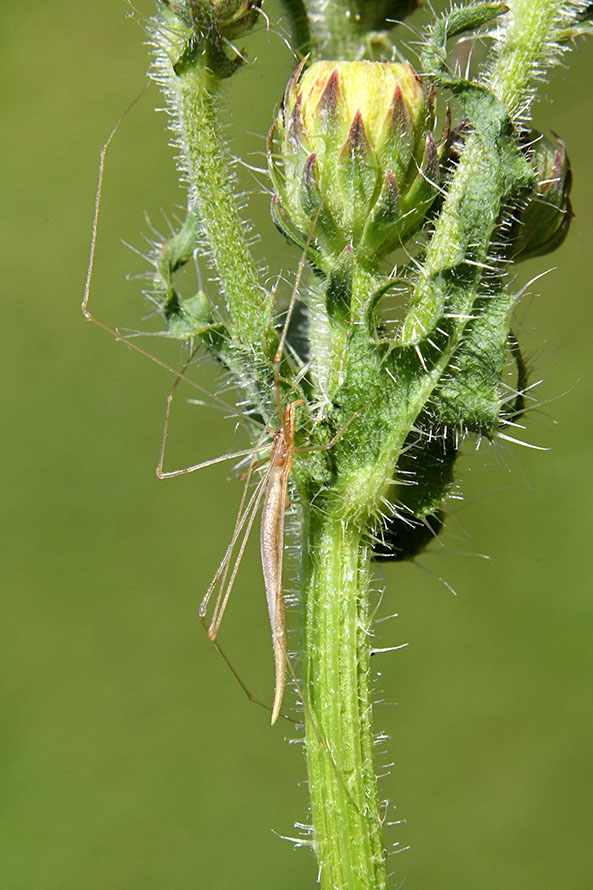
(356, 162)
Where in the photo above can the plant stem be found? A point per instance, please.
(299, 25)
(527, 35)
(335, 29)
(342, 784)
(339, 29)
(207, 163)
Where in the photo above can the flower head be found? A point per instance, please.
(357, 160)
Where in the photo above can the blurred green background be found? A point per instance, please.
(129, 757)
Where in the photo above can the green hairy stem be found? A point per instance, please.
(342, 785)
(343, 29)
(204, 160)
(208, 168)
(528, 39)
(375, 405)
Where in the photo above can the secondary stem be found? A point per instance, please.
(338, 724)
(334, 28)
(208, 166)
(527, 33)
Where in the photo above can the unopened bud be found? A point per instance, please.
(199, 33)
(235, 17)
(543, 221)
(356, 162)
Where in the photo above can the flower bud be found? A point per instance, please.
(542, 223)
(235, 17)
(199, 33)
(356, 163)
